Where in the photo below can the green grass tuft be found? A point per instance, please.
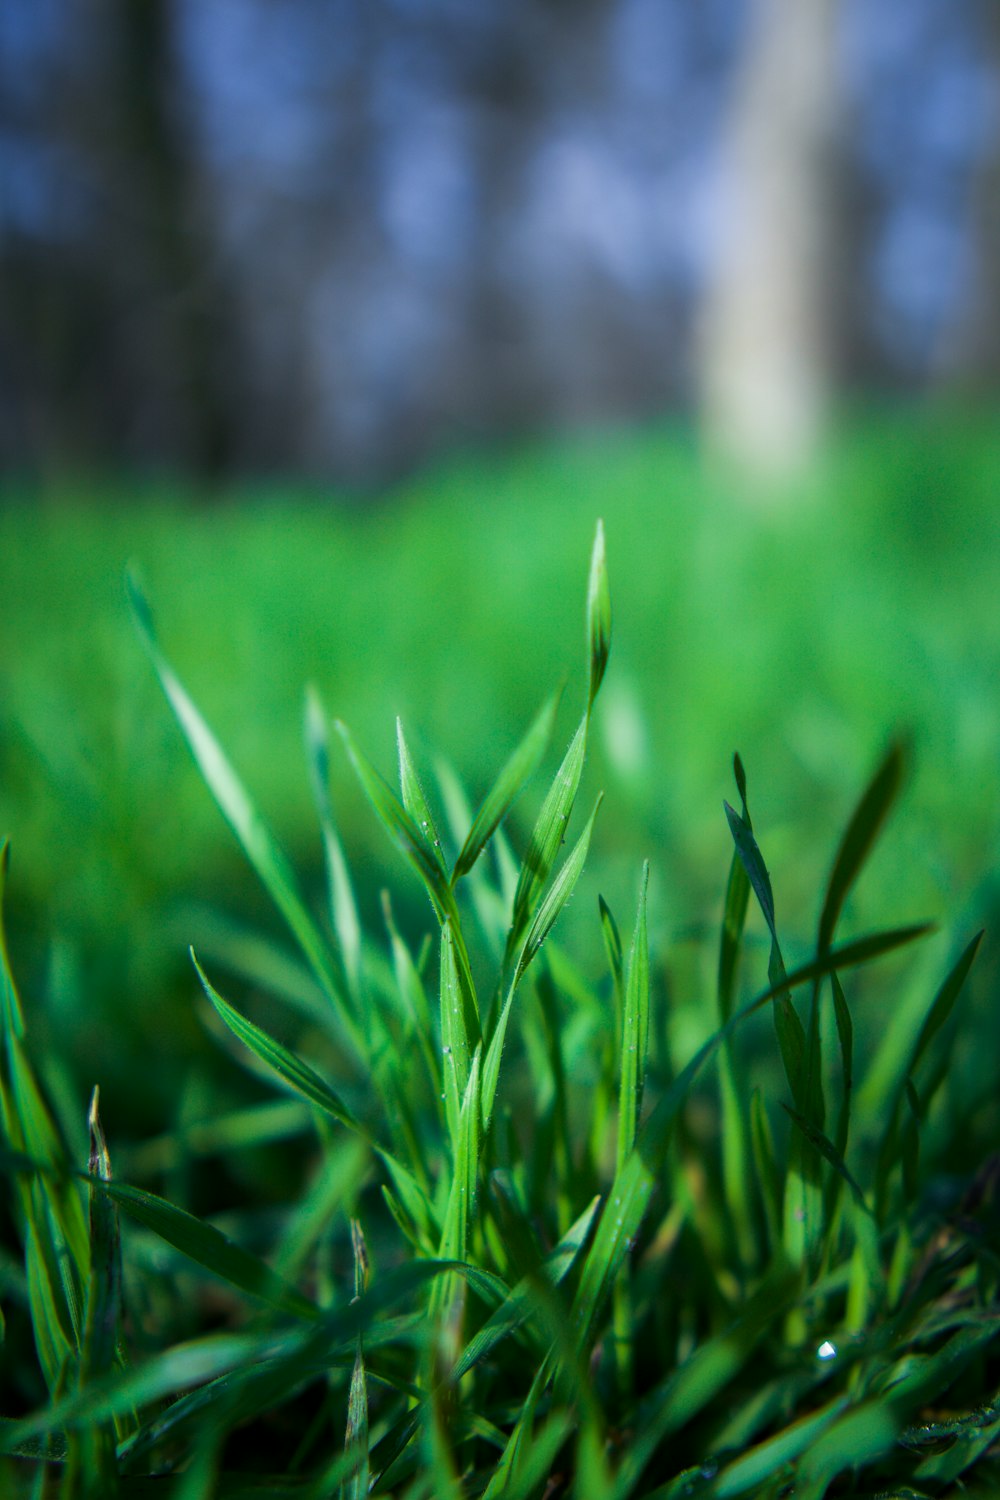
(523, 1242)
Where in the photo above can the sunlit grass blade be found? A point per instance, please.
(207, 1247)
(11, 1015)
(356, 1484)
(556, 897)
(944, 1001)
(862, 831)
(343, 905)
(736, 1176)
(598, 616)
(519, 767)
(297, 1074)
(242, 816)
(546, 837)
(95, 1450)
(456, 1043)
(635, 1035)
(789, 1029)
(415, 801)
(545, 918)
(445, 1303)
(400, 826)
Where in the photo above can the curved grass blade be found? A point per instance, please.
(546, 837)
(10, 1013)
(343, 906)
(297, 1074)
(497, 803)
(455, 1040)
(207, 1247)
(356, 1483)
(562, 888)
(944, 1001)
(635, 1033)
(399, 824)
(545, 918)
(862, 831)
(242, 816)
(789, 1029)
(735, 1163)
(415, 801)
(598, 616)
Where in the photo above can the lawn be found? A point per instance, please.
(850, 627)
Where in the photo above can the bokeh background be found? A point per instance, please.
(345, 319)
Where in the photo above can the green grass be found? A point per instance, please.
(522, 1198)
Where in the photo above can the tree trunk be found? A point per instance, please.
(767, 337)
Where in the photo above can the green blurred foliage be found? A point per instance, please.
(804, 634)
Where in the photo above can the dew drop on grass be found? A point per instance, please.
(826, 1350)
(709, 1469)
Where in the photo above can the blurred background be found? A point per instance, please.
(347, 318)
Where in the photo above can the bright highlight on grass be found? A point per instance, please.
(531, 1251)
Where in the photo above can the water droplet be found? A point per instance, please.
(826, 1350)
(709, 1469)
(446, 1051)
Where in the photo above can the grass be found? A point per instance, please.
(540, 1225)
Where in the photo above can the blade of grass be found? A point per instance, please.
(401, 827)
(859, 838)
(297, 1074)
(12, 1015)
(497, 803)
(546, 837)
(356, 1483)
(343, 906)
(415, 801)
(207, 1247)
(598, 616)
(246, 822)
(545, 918)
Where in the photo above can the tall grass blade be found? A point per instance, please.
(635, 1035)
(545, 919)
(862, 831)
(343, 905)
(415, 801)
(944, 1001)
(519, 767)
(598, 616)
(401, 827)
(356, 1484)
(207, 1247)
(547, 836)
(242, 816)
(297, 1074)
(11, 1015)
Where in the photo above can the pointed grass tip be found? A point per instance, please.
(598, 613)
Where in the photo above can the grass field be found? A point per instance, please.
(811, 637)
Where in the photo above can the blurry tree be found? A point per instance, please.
(768, 346)
(977, 357)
